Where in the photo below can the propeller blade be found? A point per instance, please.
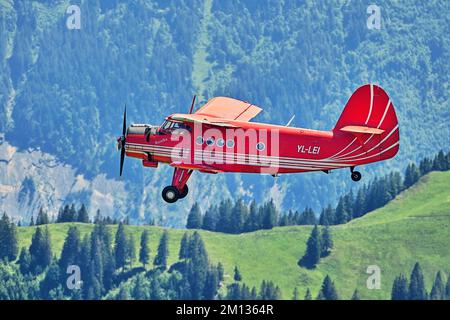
(122, 159)
(123, 140)
(124, 121)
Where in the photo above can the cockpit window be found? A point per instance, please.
(170, 125)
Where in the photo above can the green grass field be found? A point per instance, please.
(413, 227)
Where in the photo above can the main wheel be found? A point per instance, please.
(184, 192)
(356, 176)
(170, 194)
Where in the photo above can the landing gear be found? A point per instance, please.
(356, 175)
(170, 194)
(184, 192)
(179, 188)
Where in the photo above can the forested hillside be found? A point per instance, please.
(63, 90)
(147, 262)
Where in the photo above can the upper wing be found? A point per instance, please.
(229, 108)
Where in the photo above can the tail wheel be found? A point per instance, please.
(184, 192)
(170, 194)
(356, 176)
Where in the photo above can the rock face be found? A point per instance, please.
(32, 179)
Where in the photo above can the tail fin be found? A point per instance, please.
(369, 112)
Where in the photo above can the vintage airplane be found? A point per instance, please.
(219, 137)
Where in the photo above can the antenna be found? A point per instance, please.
(289, 122)
(192, 105)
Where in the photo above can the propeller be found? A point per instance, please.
(122, 140)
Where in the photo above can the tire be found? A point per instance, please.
(184, 192)
(170, 194)
(356, 176)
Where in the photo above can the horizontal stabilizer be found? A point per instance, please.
(362, 129)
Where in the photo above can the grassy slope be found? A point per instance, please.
(413, 227)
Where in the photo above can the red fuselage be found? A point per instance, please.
(298, 149)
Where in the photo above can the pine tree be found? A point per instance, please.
(355, 295)
(211, 284)
(253, 220)
(238, 216)
(327, 217)
(70, 249)
(24, 261)
(326, 242)
(83, 215)
(225, 208)
(50, 282)
(144, 252)
(237, 274)
(295, 294)
(31, 221)
(313, 249)
(308, 295)
(184, 247)
(120, 247)
(98, 217)
(412, 175)
(359, 205)
(439, 162)
(197, 266)
(84, 259)
(163, 251)
(131, 250)
(342, 212)
(8, 239)
(417, 284)
(40, 250)
(210, 219)
(438, 290)
(447, 288)
(194, 220)
(270, 217)
(400, 288)
(328, 290)
(307, 217)
(72, 213)
(220, 271)
(42, 217)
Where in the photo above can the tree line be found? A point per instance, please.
(415, 288)
(237, 217)
(108, 267)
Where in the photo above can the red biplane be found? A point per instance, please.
(219, 137)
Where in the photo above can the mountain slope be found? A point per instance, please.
(413, 227)
(63, 90)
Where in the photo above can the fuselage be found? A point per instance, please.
(234, 146)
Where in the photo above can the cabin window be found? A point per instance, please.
(210, 141)
(220, 142)
(199, 140)
(230, 143)
(260, 146)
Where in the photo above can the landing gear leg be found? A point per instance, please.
(356, 175)
(179, 188)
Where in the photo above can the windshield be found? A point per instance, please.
(170, 125)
